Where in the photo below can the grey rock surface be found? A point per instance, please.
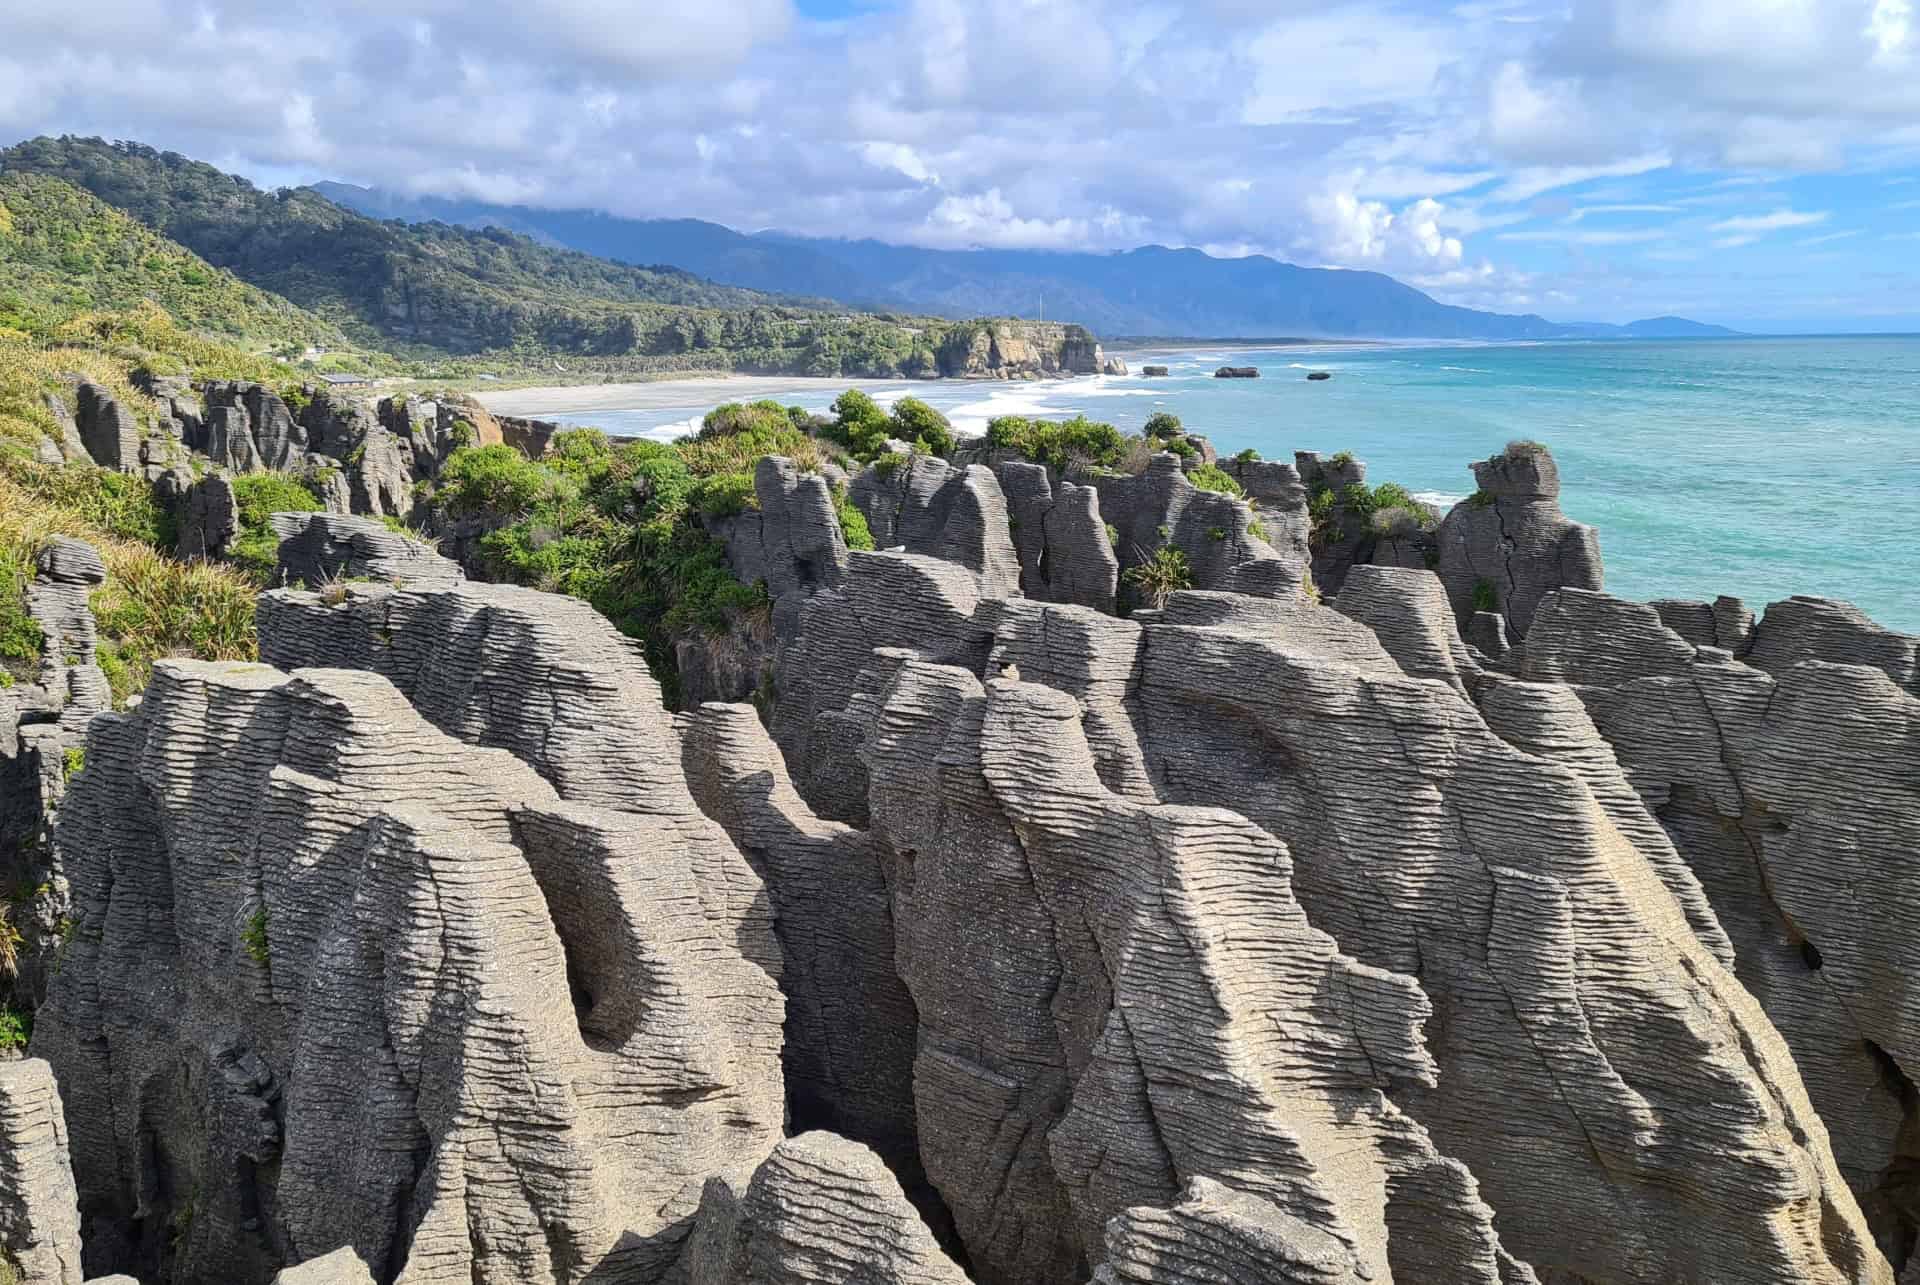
(39, 1216)
(1790, 788)
(476, 1031)
(318, 548)
(924, 505)
(341, 1267)
(108, 429)
(1103, 1065)
(820, 1211)
(1511, 540)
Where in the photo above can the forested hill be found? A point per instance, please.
(64, 253)
(433, 289)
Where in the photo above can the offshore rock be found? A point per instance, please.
(39, 1218)
(1104, 1016)
(1802, 866)
(820, 1211)
(474, 1032)
(1511, 540)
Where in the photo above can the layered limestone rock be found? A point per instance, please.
(341, 1267)
(922, 504)
(1214, 532)
(820, 1211)
(1508, 545)
(319, 548)
(849, 1043)
(1019, 350)
(108, 429)
(1065, 552)
(1106, 1014)
(1790, 787)
(471, 1029)
(39, 1220)
(1666, 1133)
(43, 727)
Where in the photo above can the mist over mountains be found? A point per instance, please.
(1152, 290)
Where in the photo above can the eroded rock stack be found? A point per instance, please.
(1244, 939)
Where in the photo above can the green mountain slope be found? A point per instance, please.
(64, 252)
(427, 288)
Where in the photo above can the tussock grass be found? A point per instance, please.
(151, 606)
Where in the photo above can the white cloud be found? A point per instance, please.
(1531, 181)
(1357, 233)
(1773, 222)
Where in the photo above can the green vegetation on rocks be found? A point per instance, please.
(862, 429)
(1059, 444)
(257, 496)
(1211, 477)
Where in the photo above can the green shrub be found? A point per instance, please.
(859, 426)
(495, 479)
(1162, 425)
(1248, 456)
(1113, 535)
(1485, 596)
(1058, 443)
(1341, 460)
(1160, 576)
(1181, 447)
(257, 496)
(918, 424)
(16, 1028)
(1217, 534)
(724, 494)
(254, 937)
(1482, 499)
(1257, 529)
(853, 523)
(73, 762)
(1211, 477)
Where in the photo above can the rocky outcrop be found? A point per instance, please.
(206, 516)
(1152, 371)
(108, 429)
(820, 1211)
(1018, 350)
(1799, 861)
(341, 1267)
(39, 1218)
(922, 504)
(1237, 372)
(322, 548)
(479, 1029)
(1214, 532)
(1113, 1057)
(850, 1027)
(1508, 545)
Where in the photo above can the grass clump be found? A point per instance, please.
(16, 1028)
(1160, 576)
(151, 606)
(1485, 596)
(73, 762)
(1248, 456)
(255, 548)
(1211, 477)
(1482, 499)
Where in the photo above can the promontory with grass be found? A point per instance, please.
(833, 847)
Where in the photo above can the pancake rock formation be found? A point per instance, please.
(1434, 932)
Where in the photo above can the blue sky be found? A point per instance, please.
(1753, 162)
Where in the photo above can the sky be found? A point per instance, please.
(1749, 162)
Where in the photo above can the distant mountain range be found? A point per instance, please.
(1148, 291)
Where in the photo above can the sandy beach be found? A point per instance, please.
(663, 394)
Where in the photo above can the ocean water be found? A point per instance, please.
(1756, 467)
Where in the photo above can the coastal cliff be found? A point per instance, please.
(1120, 876)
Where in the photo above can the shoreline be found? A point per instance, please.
(677, 391)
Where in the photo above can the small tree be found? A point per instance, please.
(1162, 425)
(916, 422)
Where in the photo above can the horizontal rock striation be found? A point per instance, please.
(475, 1014)
(820, 1211)
(39, 1221)
(1509, 544)
(1790, 787)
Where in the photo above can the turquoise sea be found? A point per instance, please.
(1758, 467)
